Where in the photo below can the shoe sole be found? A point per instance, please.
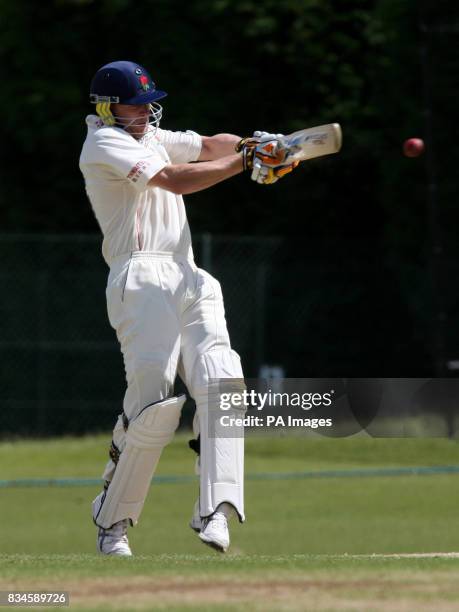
(114, 554)
(218, 547)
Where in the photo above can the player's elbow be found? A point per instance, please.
(174, 188)
(167, 182)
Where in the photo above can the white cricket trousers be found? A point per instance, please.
(169, 318)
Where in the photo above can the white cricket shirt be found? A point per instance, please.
(116, 170)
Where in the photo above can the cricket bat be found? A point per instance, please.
(312, 142)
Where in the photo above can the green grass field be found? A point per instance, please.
(310, 543)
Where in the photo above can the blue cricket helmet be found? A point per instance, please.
(123, 82)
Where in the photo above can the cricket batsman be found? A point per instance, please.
(168, 314)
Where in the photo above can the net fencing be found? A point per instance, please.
(290, 307)
(62, 370)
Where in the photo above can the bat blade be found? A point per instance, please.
(313, 142)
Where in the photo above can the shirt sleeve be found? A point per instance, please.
(128, 159)
(182, 147)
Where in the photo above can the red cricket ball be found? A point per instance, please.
(413, 147)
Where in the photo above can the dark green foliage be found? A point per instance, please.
(228, 66)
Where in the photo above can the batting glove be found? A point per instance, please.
(262, 149)
(267, 175)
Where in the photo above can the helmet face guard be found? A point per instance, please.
(125, 83)
(105, 113)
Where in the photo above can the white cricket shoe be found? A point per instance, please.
(214, 532)
(114, 541)
(196, 521)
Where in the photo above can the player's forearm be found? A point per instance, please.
(220, 145)
(189, 178)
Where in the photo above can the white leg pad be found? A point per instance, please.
(146, 437)
(222, 449)
(221, 466)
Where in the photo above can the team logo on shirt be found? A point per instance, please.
(136, 171)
